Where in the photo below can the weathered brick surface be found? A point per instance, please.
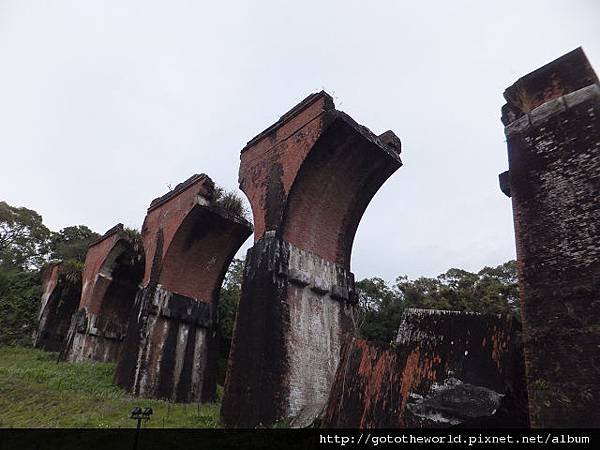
(309, 179)
(170, 347)
(294, 306)
(60, 298)
(311, 175)
(554, 181)
(111, 275)
(446, 368)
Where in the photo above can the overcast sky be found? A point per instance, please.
(105, 104)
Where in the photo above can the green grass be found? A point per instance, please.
(36, 391)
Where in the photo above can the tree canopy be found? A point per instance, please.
(26, 244)
(23, 238)
(71, 243)
(229, 298)
(492, 290)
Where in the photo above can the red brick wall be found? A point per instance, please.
(168, 216)
(50, 279)
(270, 162)
(311, 176)
(567, 74)
(436, 374)
(197, 242)
(336, 183)
(200, 253)
(92, 294)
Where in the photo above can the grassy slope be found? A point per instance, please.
(35, 391)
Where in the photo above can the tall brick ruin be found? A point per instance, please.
(552, 127)
(114, 265)
(309, 178)
(170, 347)
(61, 290)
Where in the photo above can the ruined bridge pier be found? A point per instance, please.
(113, 269)
(61, 291)
(552, 127)
(309, 179)
(170, 347)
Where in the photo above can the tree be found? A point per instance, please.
(19, 303)
(379, 309)
(23, 237)
(71, 243)
(498, 288)
(25, 245)
(229, 298)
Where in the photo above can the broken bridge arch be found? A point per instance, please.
(189, 240)
(309, 178)
(112, 273)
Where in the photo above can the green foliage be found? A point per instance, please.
(20, 293)
(23, 237)
(72, 271)
(229, 202)
(71, 243)
(25, 245)
(498, 288)
(39, 392)
(492, 290)
(229, 298)
(135, 237)
(378, 311)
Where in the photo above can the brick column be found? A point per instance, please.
(552, 120)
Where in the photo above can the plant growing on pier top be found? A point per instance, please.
(229, 202)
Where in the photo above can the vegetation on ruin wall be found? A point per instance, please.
(229, 202)
(36, 391)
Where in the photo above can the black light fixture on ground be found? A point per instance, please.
(140, 415)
